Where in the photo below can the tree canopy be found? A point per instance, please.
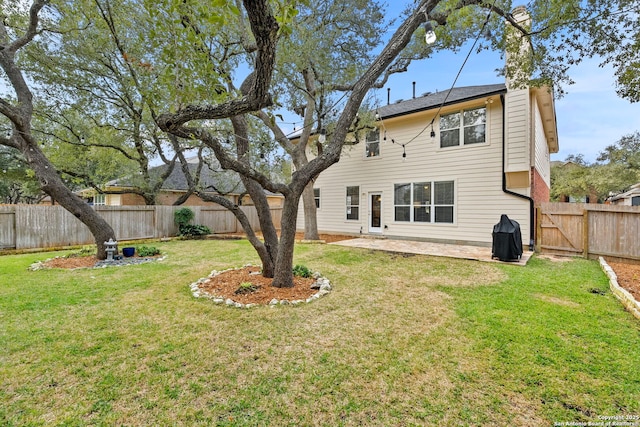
(617, 168)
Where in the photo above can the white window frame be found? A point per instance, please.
(100, 199)
(349, 205)
(368, 153)
(432, 207)
(316, 197)
(461, 127)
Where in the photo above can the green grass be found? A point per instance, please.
(399, 341)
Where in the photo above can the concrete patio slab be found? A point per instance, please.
(477, 253)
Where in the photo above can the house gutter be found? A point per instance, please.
(504, 178)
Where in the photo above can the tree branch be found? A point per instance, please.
(264, 28)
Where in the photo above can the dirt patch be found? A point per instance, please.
(628, 277)
(228, 285)
(72, 262)
(555, 300)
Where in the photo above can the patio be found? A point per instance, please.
(477, 253)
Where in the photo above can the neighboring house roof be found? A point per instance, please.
(634, 191)
(221, 181)
(434, 100)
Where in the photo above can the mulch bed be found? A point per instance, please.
(227, 283)
(628, 277)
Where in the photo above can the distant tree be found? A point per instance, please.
(99, 96)
(616, 169)
(16, 32)
(618, 165)
(571, 178)
(17, 183)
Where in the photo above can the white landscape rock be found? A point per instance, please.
(322, 284)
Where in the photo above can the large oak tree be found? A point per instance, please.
(19, 112)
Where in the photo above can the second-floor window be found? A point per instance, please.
(463, 127)
(372, 143)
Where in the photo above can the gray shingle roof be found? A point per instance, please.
(210, 180)
(434, 100)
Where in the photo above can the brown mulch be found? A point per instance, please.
(72, 262)
(227, 283)
(628, 277)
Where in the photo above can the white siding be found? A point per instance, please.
(517, 110)
(475, 169)
(541, 148)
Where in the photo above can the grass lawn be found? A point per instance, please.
(399, 341)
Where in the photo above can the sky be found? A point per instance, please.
(590, 116)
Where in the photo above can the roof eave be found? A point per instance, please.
(445, 104)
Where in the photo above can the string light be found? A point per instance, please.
(430, 38)
(429, 34)
(323, 136)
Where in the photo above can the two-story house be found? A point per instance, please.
(443, 167)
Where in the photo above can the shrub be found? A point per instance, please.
(191, 230)
(147, 251)
(84, 251)
(183, 216)
(246, 288)
(301, 271)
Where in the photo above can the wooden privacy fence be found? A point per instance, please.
(589, 230)
(39, 226)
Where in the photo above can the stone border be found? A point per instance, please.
(622, 294)
(41, 265)
(322, 284)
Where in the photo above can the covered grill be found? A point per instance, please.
(507, 240)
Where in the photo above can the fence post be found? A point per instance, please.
(538, 244)
(585, 233)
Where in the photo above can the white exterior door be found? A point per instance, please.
(375, 212)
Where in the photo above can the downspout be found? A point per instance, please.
(504, 178)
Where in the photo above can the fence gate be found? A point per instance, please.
(7, 227)
(560, 230)
(579, 229)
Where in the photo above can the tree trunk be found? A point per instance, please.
(51, 184)
(255, 190)
(283, 277)
(310, 213)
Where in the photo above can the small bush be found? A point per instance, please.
(246, 288)
(84, 251)
(147, 251)
(191, 230)
(301, 271)
(183, 216)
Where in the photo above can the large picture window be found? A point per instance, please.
(353, 203)
(463, 128)
(431, 202)
(372, 144)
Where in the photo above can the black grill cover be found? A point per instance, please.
(507, 240)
